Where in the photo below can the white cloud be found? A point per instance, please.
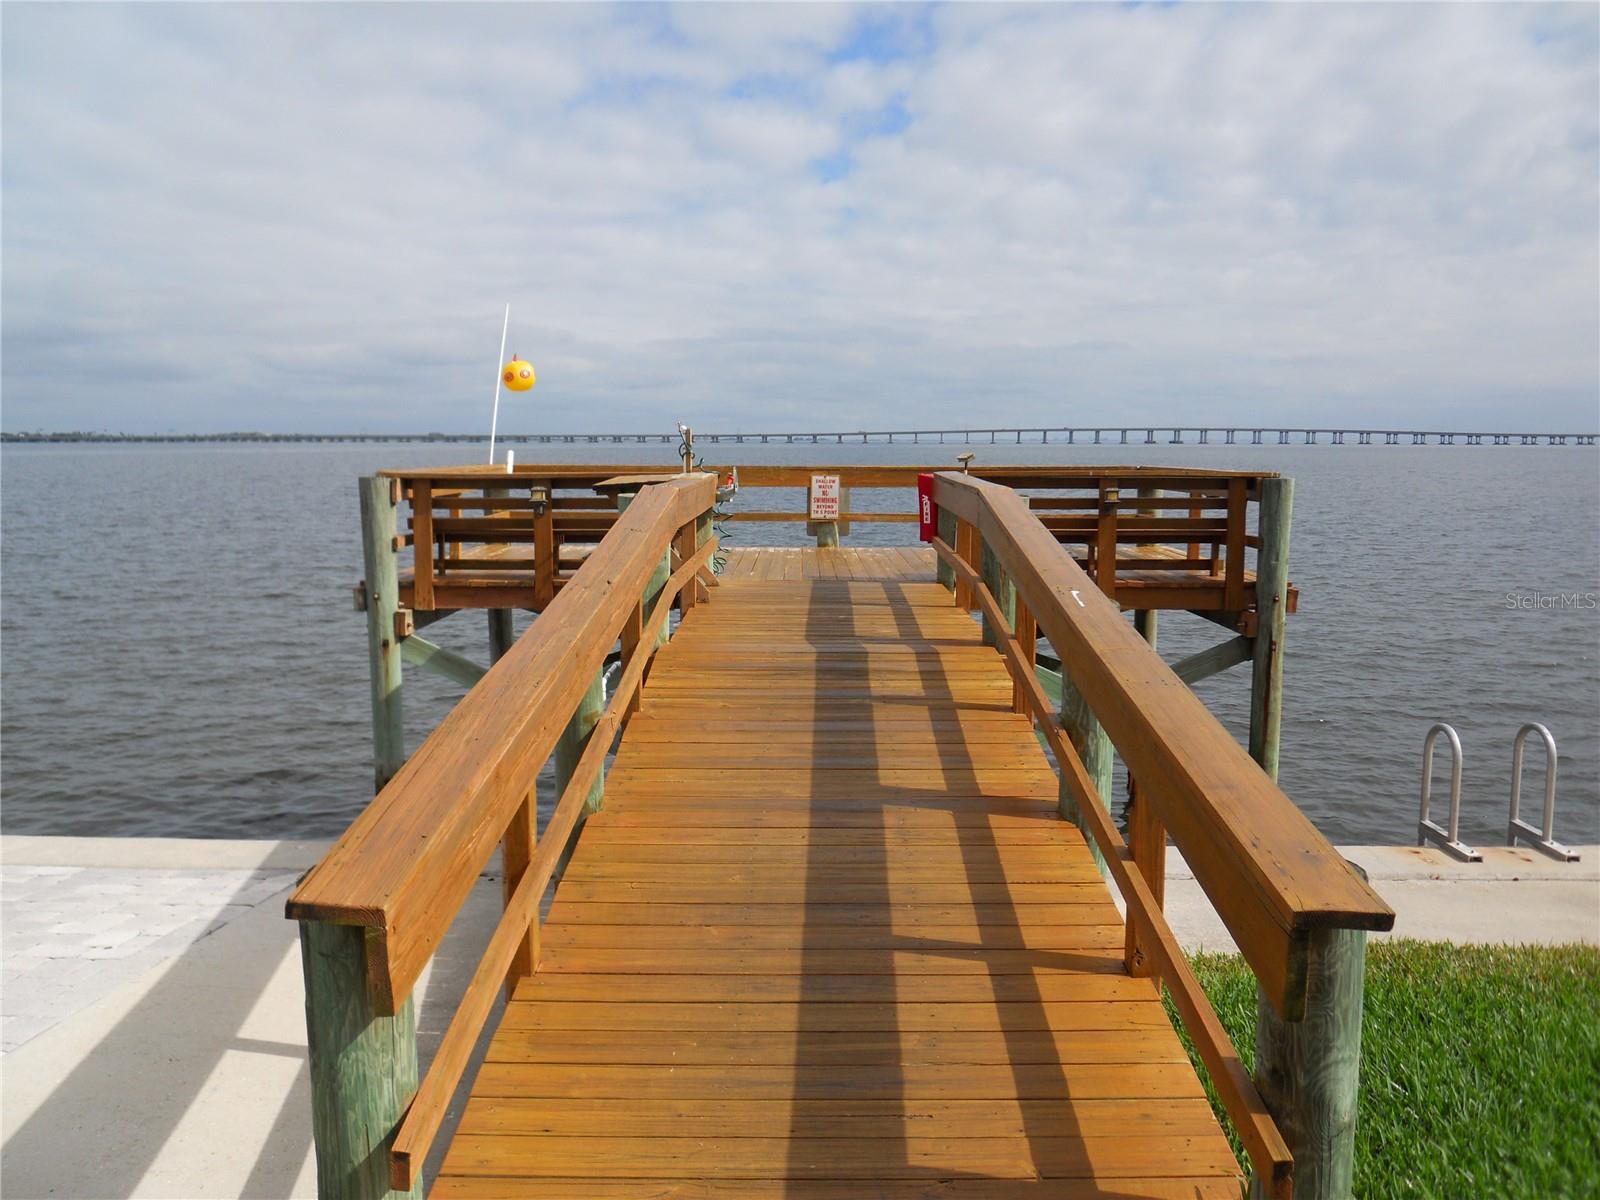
(309, 217)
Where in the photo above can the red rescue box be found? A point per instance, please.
(927, 513)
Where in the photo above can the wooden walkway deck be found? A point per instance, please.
(830, 939)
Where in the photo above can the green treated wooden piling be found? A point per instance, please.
(383, 646)
(1005, 594)
(658, 577)
(569, 749)
(501, 633)
(1272, 597)
(1308, 1071)
(418, 651)
(363, 1066)
(1089, 739)
(501, 628)
(943, 571)
(570, 746)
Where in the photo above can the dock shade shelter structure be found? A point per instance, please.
(835, 919)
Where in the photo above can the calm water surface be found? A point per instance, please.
(180, 656)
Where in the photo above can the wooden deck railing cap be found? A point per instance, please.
(406, 863)
(1271, 875)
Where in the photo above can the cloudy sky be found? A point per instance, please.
(310, 217)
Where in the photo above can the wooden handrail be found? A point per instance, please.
(407, 862)
(759, 475)
(1269, 1153)
(420, 1125)
(1271, 876)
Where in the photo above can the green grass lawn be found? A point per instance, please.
(1480, 1068)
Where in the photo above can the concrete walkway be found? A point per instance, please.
(1513, 896)
(152, 1018)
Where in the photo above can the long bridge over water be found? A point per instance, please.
(833, 916)
(1123, 435)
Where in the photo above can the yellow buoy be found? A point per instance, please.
(518, 375)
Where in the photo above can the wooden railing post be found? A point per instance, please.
(1309, 1071)
(363, 1065)
(685, 544)
(1147, 840)
(1233, 562)
(632, 634)
(943, 571)
(1027, 631)
(1105, 554)
(546, 553)
(702, 535)
(1272, 598)
(379, 496)
(422, 544)
(967, 546)
(516, 854)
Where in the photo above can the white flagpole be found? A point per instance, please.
(499, 366)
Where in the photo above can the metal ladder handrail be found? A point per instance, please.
(1542, 840)
(1429, 831)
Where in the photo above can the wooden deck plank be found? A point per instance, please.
(835, 1158)
(829, 937)
(723, 1048)
(886, 1078)
(463, 1187)
(808, 918)
(827, 1018)
(825, 939)
(957, 1119)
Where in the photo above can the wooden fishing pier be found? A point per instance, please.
(833, 916)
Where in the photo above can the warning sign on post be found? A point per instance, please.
(824, 497)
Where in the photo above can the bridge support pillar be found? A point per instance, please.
(1089, 739)
(1272, 597)
(1308, 1071)
(363, 1064)
(379, 498)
